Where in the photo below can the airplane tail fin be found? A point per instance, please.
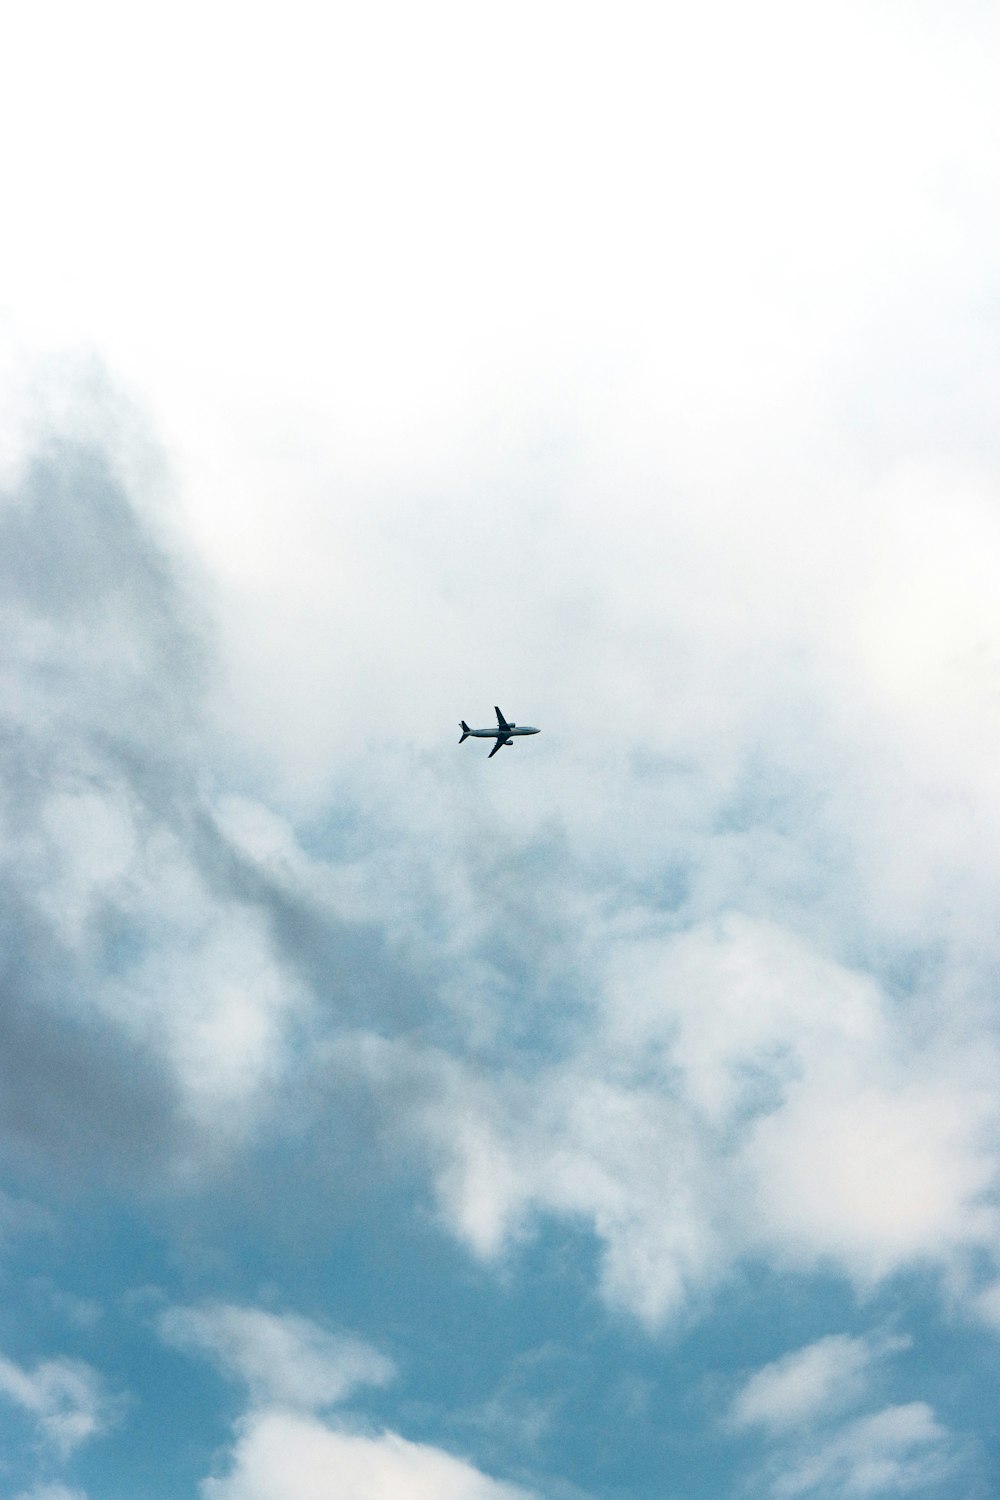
(465, 730)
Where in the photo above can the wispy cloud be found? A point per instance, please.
(987, 1304)
(51, 1492)
(66, 1398)
(897, 1451)
(282, 1359)
(801, 1405)
(811, 1384)
(23, 1216)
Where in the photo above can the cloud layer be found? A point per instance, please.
(637, 372)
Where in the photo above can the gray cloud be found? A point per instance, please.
(112, 865)
(162, 971)
(98, 671)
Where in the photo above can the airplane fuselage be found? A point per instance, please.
(502, 734)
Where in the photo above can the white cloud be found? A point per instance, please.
(394, 365)
(293, 1368)
(66, 1398)
(798, 1403)
(564, 1142)
(283, 1457)
(896, 1451)
(729, 1092)
(810, 1384)
(283, 1359)
(215, 1005)
(51, 1492)
(877, 1174)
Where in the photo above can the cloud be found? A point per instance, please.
(878, 1174)
(704, 477)
(728, 1091)
(151, 966)
(527, 1405)
(810, 1384)
(283, 1457)
(51, 1492)
(987, 1304)
(798, 1404)
(896, 1451)
(100, 674)
(66, 1398)
(21, 1216)
(721, 887)
(81, 1312)
(293, 1368)
(713, 983)
(283, 1359)
(787, 632)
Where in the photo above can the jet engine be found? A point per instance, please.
(509, 742)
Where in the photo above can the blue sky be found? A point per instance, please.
(620, 1117)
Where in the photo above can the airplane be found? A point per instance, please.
(502, 734)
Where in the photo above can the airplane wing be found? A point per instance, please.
(501, 720)
(498, 746)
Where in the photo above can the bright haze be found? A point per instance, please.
(617, 1119)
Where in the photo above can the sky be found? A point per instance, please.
(618, 1119)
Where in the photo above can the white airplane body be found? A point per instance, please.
(504, 733)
